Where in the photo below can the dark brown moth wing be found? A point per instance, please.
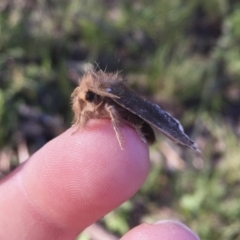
(152, 114)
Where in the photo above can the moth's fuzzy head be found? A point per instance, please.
(99, 80)
(94, 86)
(92, 89)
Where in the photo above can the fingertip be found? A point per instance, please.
(174, 225)
(166, 229)
(77, 178)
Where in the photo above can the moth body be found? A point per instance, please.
(92, 100)
(105, 95)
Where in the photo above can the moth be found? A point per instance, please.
(106, 95)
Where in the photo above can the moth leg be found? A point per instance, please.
(96, 108)
(82, 120)
(115, 122)
(139, 132)
(77, 125)
(76, 107)
(77, 110)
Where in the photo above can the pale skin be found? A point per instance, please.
(73, 181)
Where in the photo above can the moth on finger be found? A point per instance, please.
(106, 95)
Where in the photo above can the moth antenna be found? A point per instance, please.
(118, 72)
(95, 74)
(115, 76)
(114, 118)
(97, 66)
(105, 70)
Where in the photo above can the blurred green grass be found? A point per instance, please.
(185, 55)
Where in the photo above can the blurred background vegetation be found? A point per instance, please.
(182, 54)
